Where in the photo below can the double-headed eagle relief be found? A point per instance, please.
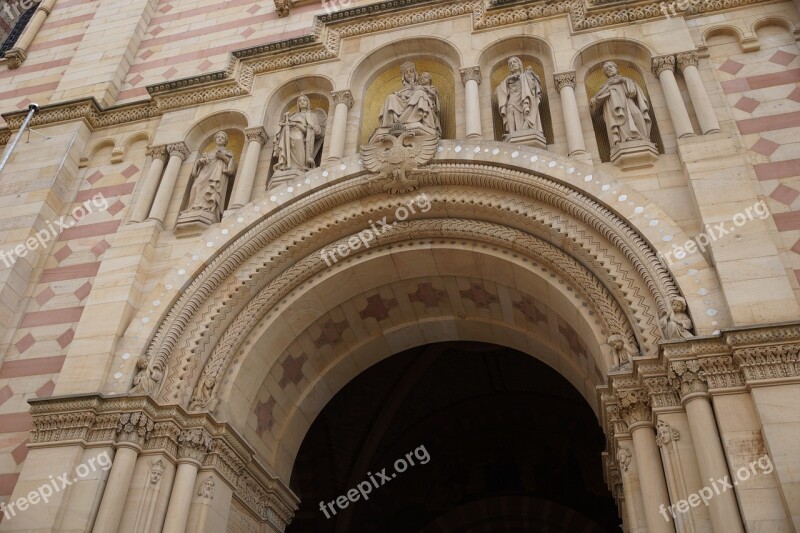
(409, 131)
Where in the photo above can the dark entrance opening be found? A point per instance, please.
(454, 437)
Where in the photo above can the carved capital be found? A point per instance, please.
(178, 150)
(157, 152)
(564, 79)
(283, 7)
(134, 428)
(721, 372)
(15, 57)
(470, 73)
(343, 97)
(194, 444)
(257, 133)
(662, 63)
(634, 406)
(662, 393)
(687, 377)
(686, 59)
(777, 362)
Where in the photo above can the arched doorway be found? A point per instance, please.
(454, 436)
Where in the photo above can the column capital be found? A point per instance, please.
(256, 133)
(688, 378)
(179, 150)
(564, 79)
(687, 59)
(158, 151)
(470, 73)
(661, 63)
(662, 393)
(635, 407)
(194, 444)
(134, 428)
(343, 97)
(15, 57)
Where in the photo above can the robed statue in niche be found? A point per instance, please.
(518, 98)
(209, 177)
(624, 106)
(414, 107)
(299, 139)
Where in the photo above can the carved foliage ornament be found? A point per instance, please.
(134, 427)
(635, 406)
(769, 362)
(194, 444)
(687, 377)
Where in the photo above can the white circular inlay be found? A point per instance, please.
(117, 375)
(126, 356)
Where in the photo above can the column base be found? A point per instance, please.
(193, 222)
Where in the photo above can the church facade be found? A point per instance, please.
(224, 223)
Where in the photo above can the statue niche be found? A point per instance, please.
(625, 110)
(518, 97)
(298, 142)
(210, 178)
(409, 131)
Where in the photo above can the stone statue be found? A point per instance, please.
(203, 393)
(665, 433)
(156, 472)
(624, 458)
(147, 378)
(416, 106)
(676, 323)
(518, 99)
(210, 176)
(299, 139)
(621, 352)
(624, 106)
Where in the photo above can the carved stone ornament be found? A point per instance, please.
(156, 471)
(518, 98)
(661, 63)
(206, 490)
(665, 433)
(147, 378)
(343, 97)
(408, 135)
(687, 59)
(622, 352)
(134, 428)
(675, 322)
(157, 152)
(257, 133)
(769, 362)
(194, 444)
(687, 377)
(634, 406)
(624, 458)
(564, 79)
(470, 73)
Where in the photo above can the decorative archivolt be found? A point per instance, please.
(597, 238)
(324, 44)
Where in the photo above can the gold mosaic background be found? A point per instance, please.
(391, 80)
(498, 75)
(594, 80)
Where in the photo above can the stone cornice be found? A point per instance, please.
(323, 44)
(97, 420)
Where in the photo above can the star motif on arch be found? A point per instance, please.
(264, 415)
(331, 333)
(478, 294)
(292, 369)
(378, 308)
(530, 307)
(427, 295)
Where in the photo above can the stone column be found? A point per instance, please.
(631, 487)
(565, 85)
(19, 52)
(193, 445)
(664, 67)
(471, 78)
(691, 384)
(344, 102)
(243, 187)
(178, 152)
(687, 62)
(133, 429)
(158, 155)
(635, 409)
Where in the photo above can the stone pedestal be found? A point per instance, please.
(281, 177)
(634, 154)
(527, 137)
(193, 222)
